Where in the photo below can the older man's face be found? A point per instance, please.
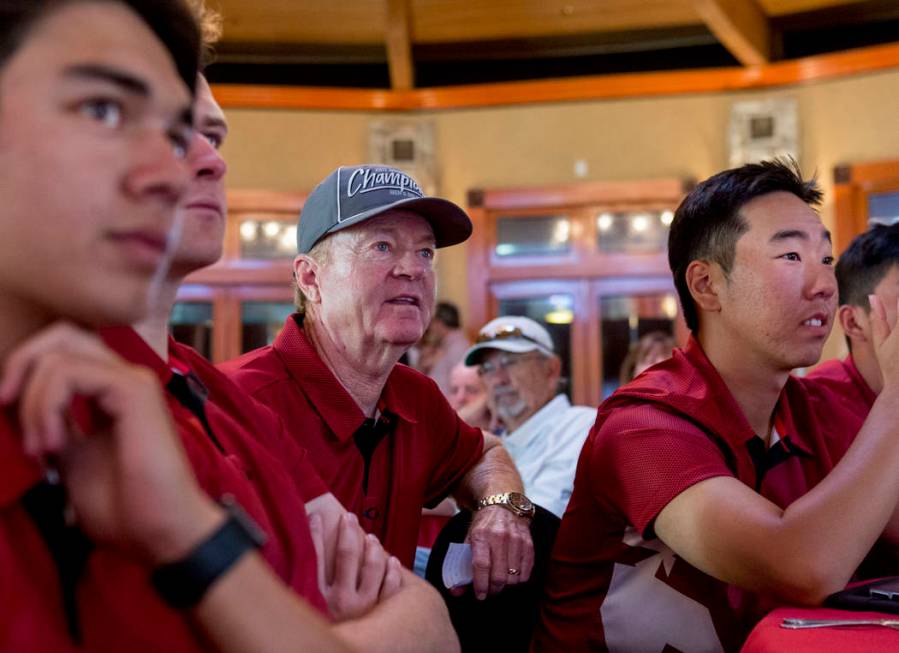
(519, 384)
(378, 283)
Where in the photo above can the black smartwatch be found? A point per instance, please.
(182, 583)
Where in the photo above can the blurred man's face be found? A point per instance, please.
(465, 386)
(888, 292)
(94, 122)
(519, 384)
(203, 208)
(887, 289)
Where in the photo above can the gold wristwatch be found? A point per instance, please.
(514, 502)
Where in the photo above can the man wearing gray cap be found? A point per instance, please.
(544, 432)
(381, 435)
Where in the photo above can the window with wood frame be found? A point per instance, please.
(241, 302)
(864, 194)
(588, 261)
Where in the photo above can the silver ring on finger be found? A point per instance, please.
(513, 572)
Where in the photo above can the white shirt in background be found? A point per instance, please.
(546, 448)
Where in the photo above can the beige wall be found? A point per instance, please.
(842, 121)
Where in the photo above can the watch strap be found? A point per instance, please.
(494, 500)
(181, 584)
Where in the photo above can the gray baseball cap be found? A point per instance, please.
(352, 194)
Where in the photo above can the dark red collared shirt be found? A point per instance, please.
(117, 608)
(846, 390)
(427, 450)
(612, 584)
(269, 481)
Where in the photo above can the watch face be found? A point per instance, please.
(520, 502)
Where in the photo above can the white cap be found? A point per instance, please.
(511, 333)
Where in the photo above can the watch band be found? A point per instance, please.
(181, 584)
(494, 500)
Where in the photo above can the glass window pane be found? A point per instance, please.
(266, 238)
(261, 322)
(883, 208)
(556, 313)
(191, 324)
(625, 320)
(537, 236)
(639, 232)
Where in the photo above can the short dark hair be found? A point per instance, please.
(869, 257)
(448, 314)
(707, 224)
(170, 20)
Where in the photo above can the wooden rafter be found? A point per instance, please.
(601, 87)
(741, 26)
(399, 45)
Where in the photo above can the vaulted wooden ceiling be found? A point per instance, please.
(404, 44)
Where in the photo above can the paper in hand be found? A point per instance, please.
(457, 570)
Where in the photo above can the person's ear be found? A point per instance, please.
(553, 367)
(854, 322)
(704, 281)
(305, 271)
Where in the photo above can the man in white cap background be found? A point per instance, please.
(544, 432)
(382, 436)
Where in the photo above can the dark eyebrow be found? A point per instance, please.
(214, 122)
(786, 234)
(124, 80)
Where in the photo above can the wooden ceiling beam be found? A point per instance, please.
(741, 26)
(601, 87)
(399, 45)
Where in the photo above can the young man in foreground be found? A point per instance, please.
(97, 496)
(716, 483)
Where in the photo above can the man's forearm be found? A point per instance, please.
(250, 609)
(413, 619)
(846, 510)
(494, 473)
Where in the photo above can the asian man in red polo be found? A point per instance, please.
(716, 483)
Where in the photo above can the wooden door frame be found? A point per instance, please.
(852, 185)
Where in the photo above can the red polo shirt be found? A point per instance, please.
(849, 394)
(848, 389)
(250, 467)
(428, 451)
(117, 608)
(612, 584)
(230, 404)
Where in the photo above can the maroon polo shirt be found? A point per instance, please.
(117, 608)
(229, 405)
(846, 392)
(612, 584)
(847, 389)
(240, 457)
(427, 449)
